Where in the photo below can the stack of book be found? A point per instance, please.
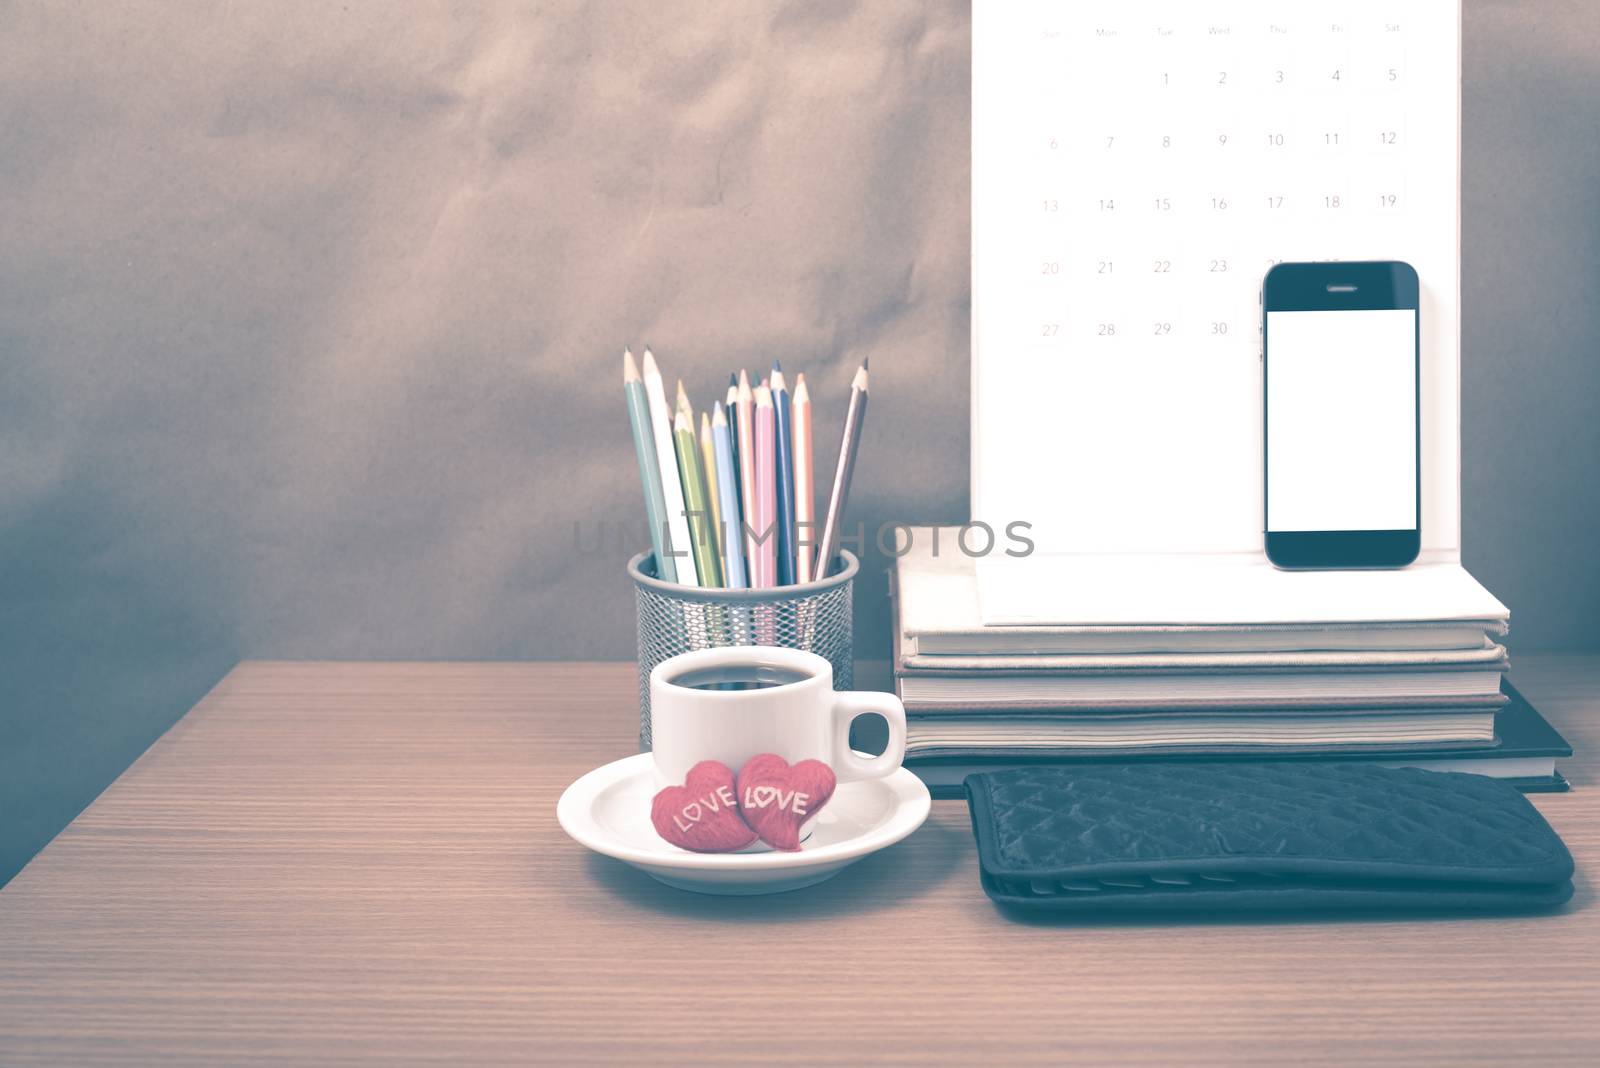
(1421, 684)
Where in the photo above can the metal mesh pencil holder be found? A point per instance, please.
(673, 619)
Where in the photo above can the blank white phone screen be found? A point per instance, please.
(1342, 420)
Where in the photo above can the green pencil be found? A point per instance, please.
(701, 534)
(655, 502)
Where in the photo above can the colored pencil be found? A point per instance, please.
(765, 513)
(783, 445)
(694, 499)
(730, 412)
(678, 546)
(733, 572)
(855, 416)
(804, 479)
(747, 468)
(644, 446)
(708, 458)
(683, 404)
(735, 522)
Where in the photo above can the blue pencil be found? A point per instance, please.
(728, 489)
(783, 435)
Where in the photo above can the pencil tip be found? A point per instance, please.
(630, 369)
(867, 362)
(777, 367)
(733, 380)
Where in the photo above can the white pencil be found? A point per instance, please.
(680, 545)
(804, 480)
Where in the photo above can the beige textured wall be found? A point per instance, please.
(334, 302)
(310, 317)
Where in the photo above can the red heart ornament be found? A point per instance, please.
(776, 799)
(702, 815)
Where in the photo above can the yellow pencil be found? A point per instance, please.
(692, 472)
(708, 452)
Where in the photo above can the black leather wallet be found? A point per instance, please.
(1135, 838)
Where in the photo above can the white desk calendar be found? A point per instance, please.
(1136, 168)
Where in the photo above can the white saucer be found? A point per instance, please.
(608, 810)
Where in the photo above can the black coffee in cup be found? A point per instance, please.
(738, 677)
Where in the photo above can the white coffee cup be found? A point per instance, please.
(787, 706)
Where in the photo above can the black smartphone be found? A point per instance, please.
(1342, 364)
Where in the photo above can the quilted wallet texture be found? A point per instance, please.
(1257, 837)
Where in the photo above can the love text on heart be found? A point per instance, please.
(768, 796)
(692, 813)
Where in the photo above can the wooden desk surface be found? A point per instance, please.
(343, 862)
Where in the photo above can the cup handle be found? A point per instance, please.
(847, 765)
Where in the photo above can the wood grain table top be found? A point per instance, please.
(344, 862)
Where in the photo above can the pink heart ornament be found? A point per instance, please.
(702, 815)
(776, 799)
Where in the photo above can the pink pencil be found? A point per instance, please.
(765, 513)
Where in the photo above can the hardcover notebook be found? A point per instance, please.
(1238, 590)
(1063, 690)
(930, 736)
(936, 589)
(1524, 753)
